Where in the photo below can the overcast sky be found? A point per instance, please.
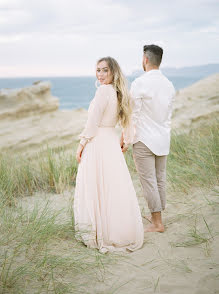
(66, 37)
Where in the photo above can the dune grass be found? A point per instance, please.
(196, 236)
(53, 171)
(32, 255)
(193, 160)
(38, 254)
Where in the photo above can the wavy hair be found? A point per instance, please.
(120, 85)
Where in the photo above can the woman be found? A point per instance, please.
(106, 210)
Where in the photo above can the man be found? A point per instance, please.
(152, 94)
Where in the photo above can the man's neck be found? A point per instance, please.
(151, 67)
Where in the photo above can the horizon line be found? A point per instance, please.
(91, 76)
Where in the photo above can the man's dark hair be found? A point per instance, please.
(154, 53)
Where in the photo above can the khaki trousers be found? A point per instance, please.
(152, 172)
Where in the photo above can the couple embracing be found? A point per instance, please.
(106, 210)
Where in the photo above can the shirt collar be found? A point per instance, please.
(153, 71)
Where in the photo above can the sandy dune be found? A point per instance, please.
(196, 104)
(30, 119)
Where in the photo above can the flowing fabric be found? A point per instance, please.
(106, 210)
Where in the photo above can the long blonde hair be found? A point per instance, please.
(120, 85)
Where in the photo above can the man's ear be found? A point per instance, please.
(145, 59)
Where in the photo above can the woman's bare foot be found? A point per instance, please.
(154, 228)
(148, 218)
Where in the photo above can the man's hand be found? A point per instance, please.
(79, 152)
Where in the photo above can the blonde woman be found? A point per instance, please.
(106, 210)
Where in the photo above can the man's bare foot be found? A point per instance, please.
(154, 228)
(148, 217)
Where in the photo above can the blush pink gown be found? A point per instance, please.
(106, 209)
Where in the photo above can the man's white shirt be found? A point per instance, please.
(153, 95)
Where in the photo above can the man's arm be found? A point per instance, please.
(136, 102)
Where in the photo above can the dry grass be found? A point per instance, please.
(193, 160)
(40, 255)
(53, 171)
(30, 261)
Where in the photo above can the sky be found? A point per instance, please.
(67, 37)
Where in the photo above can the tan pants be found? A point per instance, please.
(152, 172)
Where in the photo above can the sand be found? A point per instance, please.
(196, 104)
(30, 120)
(167, 262)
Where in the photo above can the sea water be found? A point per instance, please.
(77, 92)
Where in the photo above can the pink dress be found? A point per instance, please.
(106, 209)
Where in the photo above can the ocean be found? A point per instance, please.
(77, 92)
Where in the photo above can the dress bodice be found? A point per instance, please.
(103, 112)
(109, 100)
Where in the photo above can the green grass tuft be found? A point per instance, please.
(51, 172)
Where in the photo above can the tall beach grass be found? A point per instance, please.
(50, 171)
(193, 160)
(38, 254)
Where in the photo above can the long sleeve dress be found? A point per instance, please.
(106, 210)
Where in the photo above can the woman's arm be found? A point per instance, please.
(127, 137)
(95, 115)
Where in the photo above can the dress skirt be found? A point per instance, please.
(106, 210)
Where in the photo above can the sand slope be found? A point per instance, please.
(30, 119)
(36, 99)
(196, 104)
(175, 262)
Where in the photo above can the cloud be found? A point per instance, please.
(67, 37)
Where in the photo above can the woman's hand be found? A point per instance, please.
(121, 140)
(125, 148)
(79, 152)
